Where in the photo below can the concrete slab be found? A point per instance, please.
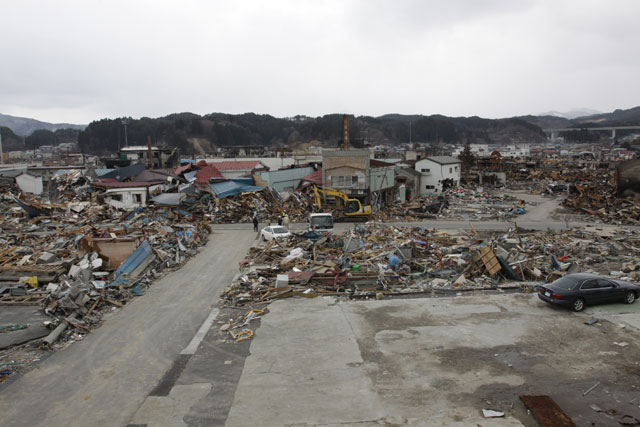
(305, 367)
(30, 315)
(431, 362)
(161, 411)
(625, 314)
(614, 308)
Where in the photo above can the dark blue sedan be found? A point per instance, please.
(579, 290)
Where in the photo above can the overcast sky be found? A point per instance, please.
(78, 61)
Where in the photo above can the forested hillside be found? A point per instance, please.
(40, 137)
(193, 133)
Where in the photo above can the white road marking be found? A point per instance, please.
(199, 336)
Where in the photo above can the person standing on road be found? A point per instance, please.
(285, 220)
(255, 222)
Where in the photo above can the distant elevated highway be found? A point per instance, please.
(553, 133)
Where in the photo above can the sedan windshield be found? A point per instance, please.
(279, 230)
(565, 283)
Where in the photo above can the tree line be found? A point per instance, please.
(38, 138)
(222, 130)
(176, 130)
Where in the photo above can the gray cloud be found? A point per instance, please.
(77, 61)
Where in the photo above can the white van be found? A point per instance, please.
(321, 222)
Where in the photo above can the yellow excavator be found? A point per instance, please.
(349, 210)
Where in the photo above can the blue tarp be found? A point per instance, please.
(137, 258)
(233, 187)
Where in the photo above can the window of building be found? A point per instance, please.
(430, 187)
(450, 170)
(456, 169)
(354, 180)
(137, 198)
(425, 170)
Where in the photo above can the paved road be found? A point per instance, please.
(537, 222)
(106, 378)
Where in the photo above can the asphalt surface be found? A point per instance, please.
(106, 378)
(542, 224)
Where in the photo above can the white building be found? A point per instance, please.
(438, 173)
(479, 150)
(29, 183)
(130, 195)
(514, 151)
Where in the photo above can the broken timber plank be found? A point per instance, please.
(489, 260)
(546, 411)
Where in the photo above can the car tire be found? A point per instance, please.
(578, 304)
(629, 297)
(264, 239)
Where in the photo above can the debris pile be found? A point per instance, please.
(78, 259)
(598, 200)
(459, 203)
(266, 204)
(375, 261)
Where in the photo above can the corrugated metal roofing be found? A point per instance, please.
(127, 172)
(147, 175)
(444, 160)
(132, 184)
(379, 164)
(204, 175)
(238, 166)
(101, 172)
(135, 260)
(190, 176)
(183, 169)
(315, 177)
(169, 199)
(231, 188)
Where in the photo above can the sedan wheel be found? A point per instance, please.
(264, 239)
(578, 304)
(629, 298)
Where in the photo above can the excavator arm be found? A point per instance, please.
(353, 209)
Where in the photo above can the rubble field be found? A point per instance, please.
(590, 193)
(379, 261)
(68, 263)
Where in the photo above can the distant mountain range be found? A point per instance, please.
(204, 133)
(630, 117)
(572, 114)
(23, 126)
